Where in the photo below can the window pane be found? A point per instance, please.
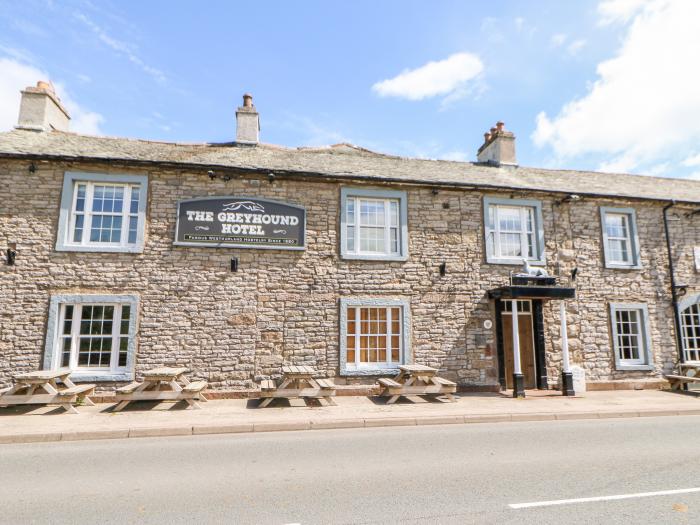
(351, 238)
(133, 229)
(134, 207)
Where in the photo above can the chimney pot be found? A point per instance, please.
(41, 110)
(247, 122)
(498, 148)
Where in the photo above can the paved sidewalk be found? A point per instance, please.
(21, 425)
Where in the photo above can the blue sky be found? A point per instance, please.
(583, 85)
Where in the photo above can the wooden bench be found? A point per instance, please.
(77, 390)
(128, 389)
(298, 382)
(267, 384)
(677, 381)
(42, 388)
(162, 384)
(325, 384)
(196, 386)
(389, 383)
(417, 380)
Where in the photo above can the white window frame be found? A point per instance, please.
(374, 194)
(492, 235)
(66, 221)
(644, 362)
(53, 352)
(690, 355)
(632, 239)
(355, 369)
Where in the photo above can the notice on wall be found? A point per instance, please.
(696, 251)
(240, 222)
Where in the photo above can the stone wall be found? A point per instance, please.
(283, 306)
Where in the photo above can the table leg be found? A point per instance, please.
(66, 381)
(193, 404)
(330, 401)
(265, 402)
(70, 408)
(120, 406)
(393, 399)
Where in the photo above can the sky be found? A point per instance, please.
(608, 85)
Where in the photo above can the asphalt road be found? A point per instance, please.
(436, 474)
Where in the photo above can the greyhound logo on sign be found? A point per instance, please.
(230, 222)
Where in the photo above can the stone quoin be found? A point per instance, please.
(116, 257)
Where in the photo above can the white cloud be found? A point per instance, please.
(16, 76)
(612, 11)
(692, 161)
(574, 47)
(123, 48)
(558, 39)
(644, 106)
(443, 77)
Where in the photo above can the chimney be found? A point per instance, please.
(247, 122)
(41, 110)
(498, 148)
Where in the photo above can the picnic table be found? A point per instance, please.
(688, 373)
(416, 380)
(162, 384)
(42, 388)
(297, 382)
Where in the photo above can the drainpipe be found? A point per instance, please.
(674, 289)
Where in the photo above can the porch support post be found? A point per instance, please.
(567, 378)
(518, 379)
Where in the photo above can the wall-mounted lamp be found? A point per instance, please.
(569, 198)
(435, 191)
(681, 289)
(234, 264)
(446, 205)
(443, 269)
(574, 273)
(271, 177)
(226, 178)
(11, 254)
(211, 174)
(32, 168)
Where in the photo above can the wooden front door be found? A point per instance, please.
(527, 343)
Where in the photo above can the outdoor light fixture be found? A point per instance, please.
(681, 289)
(271, 177)
(435, 191)
(574, 273)
(32, 168)
(443, 269)
(211, 174)
(226, 178)
(11, 254)
(569, 198)
(234, 264)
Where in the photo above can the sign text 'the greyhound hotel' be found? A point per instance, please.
(239, 222)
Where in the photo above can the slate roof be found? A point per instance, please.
(342, 161)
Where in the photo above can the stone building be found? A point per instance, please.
(231, 259)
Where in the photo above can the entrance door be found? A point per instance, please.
(527, 342)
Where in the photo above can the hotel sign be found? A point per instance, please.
(240, 222)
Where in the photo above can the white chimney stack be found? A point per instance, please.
(247, 122)
(41, 110)
(498, 148)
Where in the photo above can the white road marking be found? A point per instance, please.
(601, 498)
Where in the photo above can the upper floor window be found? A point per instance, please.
(513, 230)
(93, 336)
(373, 224)
(620, 241)
(102, 212)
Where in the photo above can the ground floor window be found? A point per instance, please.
(631, 342)
(690, 330)
(373, 335)
(94, 336)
